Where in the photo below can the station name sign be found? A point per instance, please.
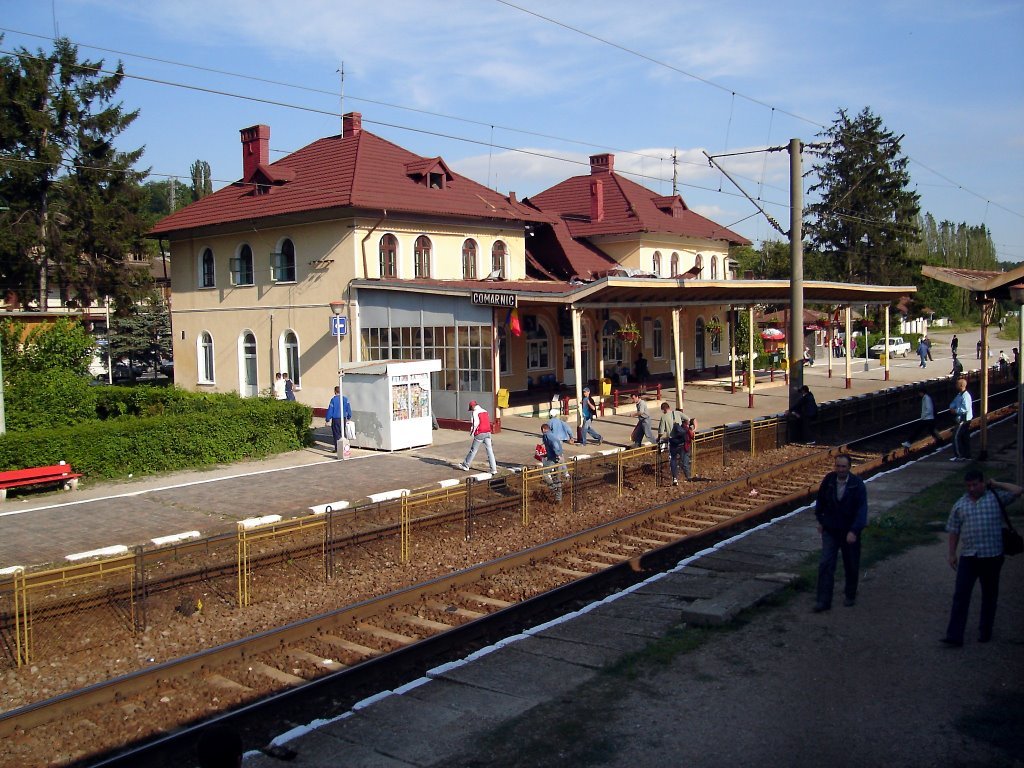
(495, 299)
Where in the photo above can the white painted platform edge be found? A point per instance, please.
(175, 537)
(116, 549)
(388, 495)
(321, 509)
(256, 522)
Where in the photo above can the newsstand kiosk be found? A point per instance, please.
(390, 402)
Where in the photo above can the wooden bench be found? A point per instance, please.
(56, 473)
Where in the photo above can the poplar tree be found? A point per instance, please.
(865, 218)
(202, 184)
(74, 201)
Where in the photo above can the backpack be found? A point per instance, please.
(483, 423)
(679, 431)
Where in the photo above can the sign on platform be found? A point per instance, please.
(339, 325)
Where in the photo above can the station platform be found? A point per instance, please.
(40, 528)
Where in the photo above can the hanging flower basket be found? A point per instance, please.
(713, 328)
(629, 333)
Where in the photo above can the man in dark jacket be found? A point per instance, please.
(842, 512)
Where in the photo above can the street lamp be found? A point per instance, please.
(1017, 295)
(337, 309)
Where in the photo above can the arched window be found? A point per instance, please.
(282, 264)
(716, 335)
(421, 257)
(612, 349)
(248, 386)
(290, 356)
(469, 260)
(207, 273)
(658, 339)
(538, 347)
(241, 266)
(714, 267)
(674, 264)
(389, 256)
(204, 355)
(657, 264)
(698, 262)
(498, 252)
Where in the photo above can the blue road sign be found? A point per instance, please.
(339, 325)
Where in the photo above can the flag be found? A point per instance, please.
(512, 321)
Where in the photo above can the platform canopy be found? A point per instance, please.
(986, 284)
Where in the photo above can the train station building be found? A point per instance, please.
(523, 296)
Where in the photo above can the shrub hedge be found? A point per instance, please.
(176, 430)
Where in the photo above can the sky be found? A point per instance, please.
(516, 94)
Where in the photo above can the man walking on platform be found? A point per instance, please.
(927, 420)
(589, 409)
(338, 413)
(643, 422)
(842, 512)
(975, 529)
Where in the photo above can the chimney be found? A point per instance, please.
(351, 124)
(602, 163)
(596, 199)
(255, 148)
(512, 197)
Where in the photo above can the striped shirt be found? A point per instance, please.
(979, 524)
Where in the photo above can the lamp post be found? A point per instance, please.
(1017, 295)
(337, 308)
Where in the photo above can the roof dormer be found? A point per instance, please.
(431, 172)
(673, 205)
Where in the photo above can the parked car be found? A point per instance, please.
(166, 367)
(897, 346)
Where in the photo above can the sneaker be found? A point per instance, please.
(463, 467)
(675, 481)
(820, 608)
(906, 445)
(955, 458)
(951, 643)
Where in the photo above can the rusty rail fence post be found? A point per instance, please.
(525, 498)
(140, 593)
(468, 507)
(405, 529)
(618, 472)
(328, 543)
(574, 484)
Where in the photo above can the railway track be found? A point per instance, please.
(404, 628)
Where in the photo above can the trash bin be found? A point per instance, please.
(882, 358)
(606, 387)
(503, 398)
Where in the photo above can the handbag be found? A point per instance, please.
(350, 429)
(1013, 542)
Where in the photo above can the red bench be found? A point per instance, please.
(56, 473)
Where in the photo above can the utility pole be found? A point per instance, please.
(173, 196)
(341, 99)
(675, 171)
(796, 274)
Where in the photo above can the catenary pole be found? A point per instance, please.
(796, 282)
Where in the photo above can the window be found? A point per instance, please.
(658, 339)
(612, 348)
(389, 256)
(504, 362)
(207, 275)
(698, 262)
(290, 356)
(498, 253)
(282, 263)
(674, 264)
(205, 358)
(241, 266)
(538, 350)
(716, 338)
(464, 352)
(247, 365)
(714, 267)
(421, 257)
(657, 264)
(469, 260)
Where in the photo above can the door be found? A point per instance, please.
(249, 386)
(698, 344)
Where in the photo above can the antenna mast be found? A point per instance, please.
(675, 171)
(341, 99)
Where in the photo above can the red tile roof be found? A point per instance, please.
(628, 208)
(362, 171)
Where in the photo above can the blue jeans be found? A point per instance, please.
(485, 439)
(833, 541)
(968, 570)
(678, 459)
(587, 429)
(556, 477)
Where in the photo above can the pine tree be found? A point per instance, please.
(74, 199)
(865, 220)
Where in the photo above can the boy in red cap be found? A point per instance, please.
(481, 432)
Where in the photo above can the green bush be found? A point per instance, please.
(57, 397)
(228, 429)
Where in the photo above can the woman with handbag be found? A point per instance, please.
(976, 535)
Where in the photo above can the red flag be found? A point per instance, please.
(512, 321)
